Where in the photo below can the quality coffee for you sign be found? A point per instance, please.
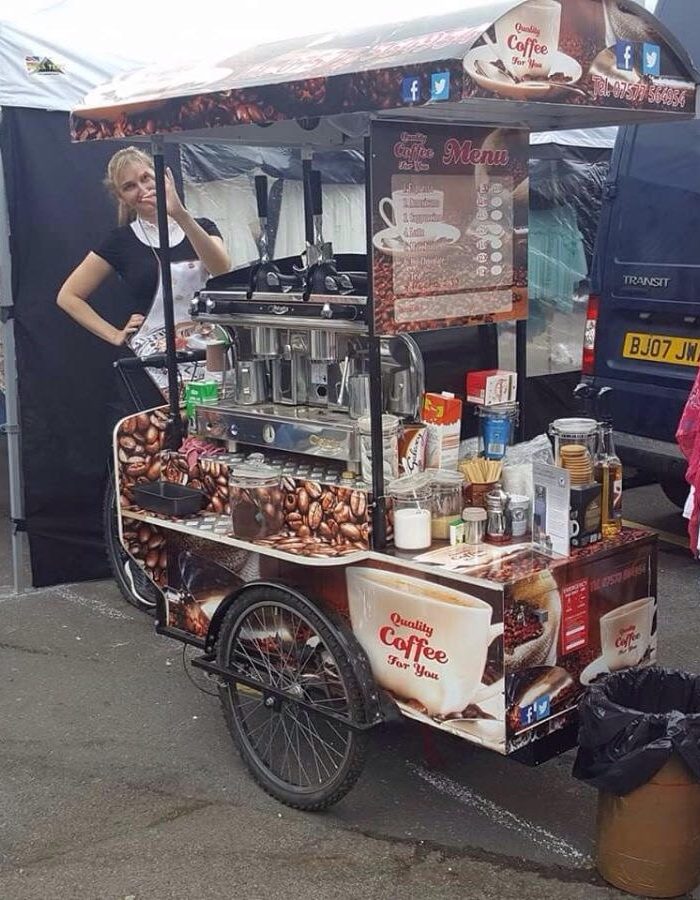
(449, 225)
(604, 53)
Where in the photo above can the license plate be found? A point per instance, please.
(662, 348)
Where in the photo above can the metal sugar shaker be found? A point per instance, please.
(497, 529)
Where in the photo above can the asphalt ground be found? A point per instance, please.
(118, 778)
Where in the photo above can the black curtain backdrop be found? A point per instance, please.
(59, 210)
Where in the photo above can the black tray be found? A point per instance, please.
(168, 499)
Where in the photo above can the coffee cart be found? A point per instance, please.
(283, 571)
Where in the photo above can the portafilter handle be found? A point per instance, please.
(261, 202)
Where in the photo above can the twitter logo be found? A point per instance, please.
(440, 86)
(651, 59)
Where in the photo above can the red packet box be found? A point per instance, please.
(442, 413)
(489, 387)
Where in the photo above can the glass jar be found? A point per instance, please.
(581, 432)
(411, 498)
(390, 444)
(256, 501)
(446, 498)
(496, 429)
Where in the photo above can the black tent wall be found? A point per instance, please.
(58, 209)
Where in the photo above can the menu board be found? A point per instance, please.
(449, 225)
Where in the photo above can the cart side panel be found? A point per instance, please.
(573, 623)
(434, 644)
(201, 574)
(138, 442)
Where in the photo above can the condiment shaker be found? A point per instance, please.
(497, 530)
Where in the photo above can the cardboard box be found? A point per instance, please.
(647, 842)
(585, 515)
(490, 387)
(442, 413)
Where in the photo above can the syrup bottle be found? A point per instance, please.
(608, 474)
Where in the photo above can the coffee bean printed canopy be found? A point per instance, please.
(538, 65)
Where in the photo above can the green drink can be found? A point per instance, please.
(197, 392)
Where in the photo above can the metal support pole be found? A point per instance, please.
(174, 432)
(521, 369)
(375, 377)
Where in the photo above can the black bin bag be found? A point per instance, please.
(632, 722)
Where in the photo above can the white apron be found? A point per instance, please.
(188, 277)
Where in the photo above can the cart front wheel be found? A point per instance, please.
(302, 757)
(134, 585)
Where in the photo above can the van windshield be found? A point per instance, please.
(663, 174)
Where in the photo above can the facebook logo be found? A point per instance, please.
(410, 89)
(624, 55)
(440, 86)
(651, 59)
(536, 711)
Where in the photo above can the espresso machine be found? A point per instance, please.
(300, 354)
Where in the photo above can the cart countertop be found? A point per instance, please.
(502, 566)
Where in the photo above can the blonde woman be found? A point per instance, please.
(197, 252)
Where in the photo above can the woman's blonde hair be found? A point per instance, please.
(114, 167)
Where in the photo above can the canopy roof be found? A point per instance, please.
(538, 64)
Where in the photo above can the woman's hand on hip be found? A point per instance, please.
(131, 327)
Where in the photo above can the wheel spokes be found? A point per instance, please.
(279, 648)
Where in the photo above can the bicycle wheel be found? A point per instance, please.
(293, 751)
(136, 588)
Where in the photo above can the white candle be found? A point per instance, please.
(412, 529)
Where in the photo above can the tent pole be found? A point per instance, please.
(11, 427)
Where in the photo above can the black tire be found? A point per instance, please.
(676, 491)
(136, 587)
(334, 753)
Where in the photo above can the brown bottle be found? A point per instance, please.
(608, 474)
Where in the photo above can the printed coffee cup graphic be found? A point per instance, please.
(625, 633)
(527, 38)
(625, 639)
(523, 59)
(425, 642)
(414, 220)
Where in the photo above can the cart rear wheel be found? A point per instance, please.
(301, 757)
(135, 586)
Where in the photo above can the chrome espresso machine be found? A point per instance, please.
(297, 374)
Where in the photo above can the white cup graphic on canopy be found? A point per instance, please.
(625, 633)
(527, 38)
(424, 641)
(411, 213)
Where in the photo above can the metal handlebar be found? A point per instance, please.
(158, 360)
